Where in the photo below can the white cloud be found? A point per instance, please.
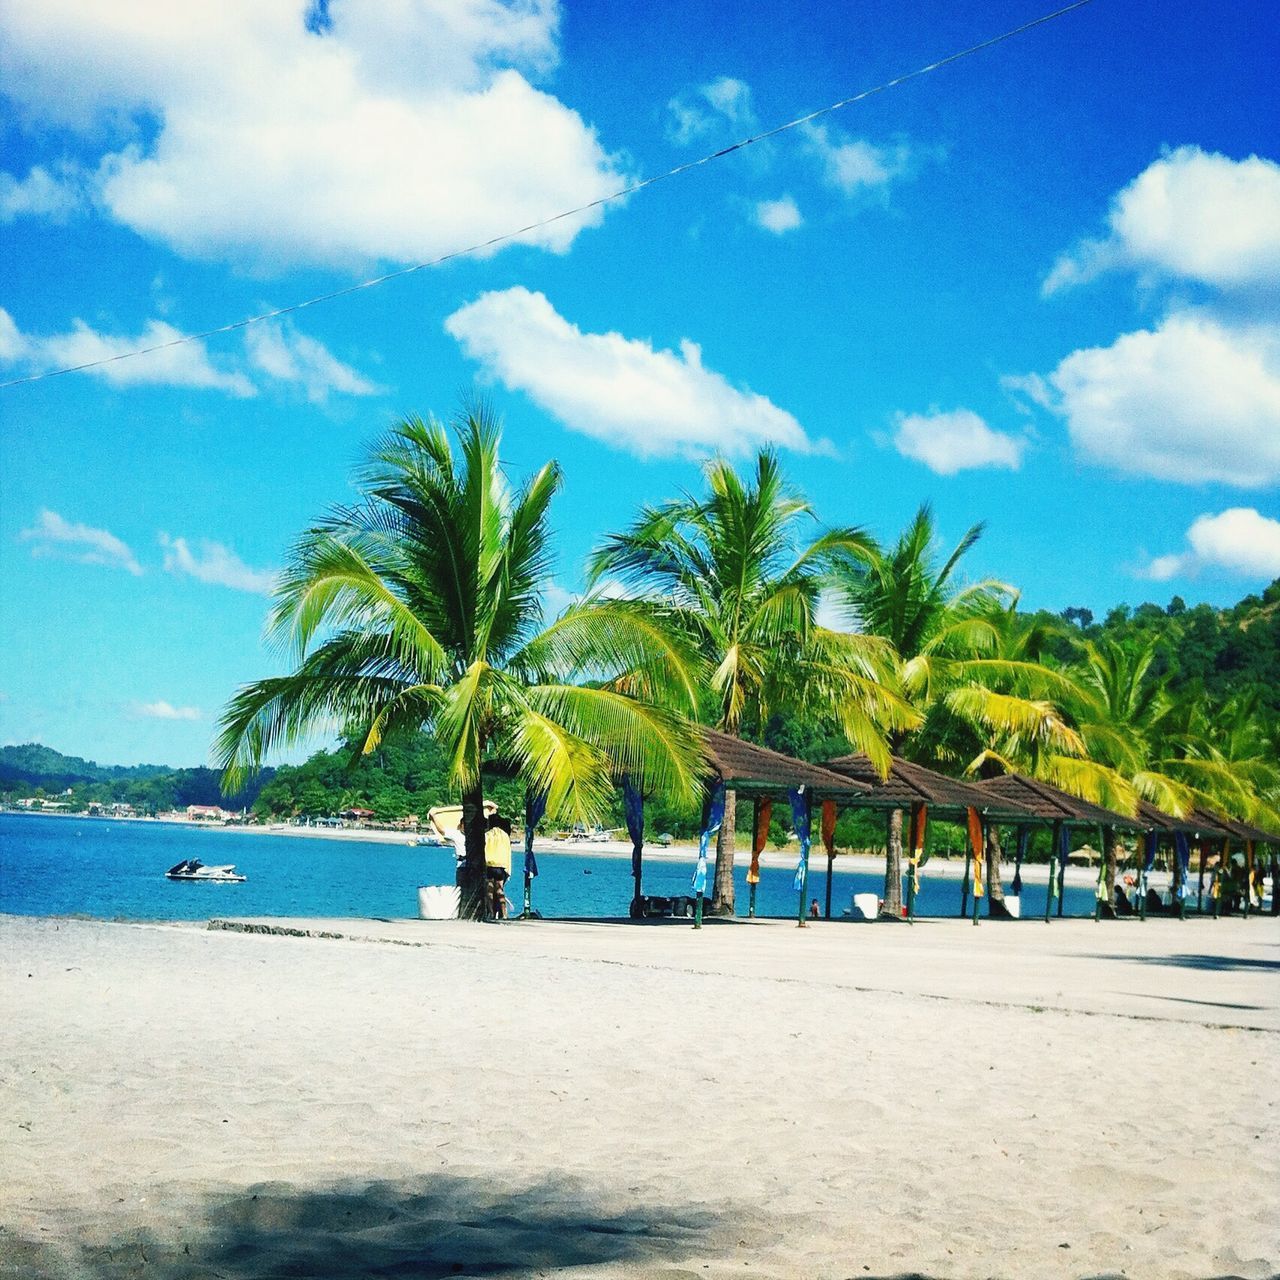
(1239, 540)
(165, 711)
(397, 131)
(52, 535)
(779, 216)
(853, 165)
(289, 356)
(1193, 400)
(955, 441)
(40, 194)
(187, 365)
(709, 109)
(1193, 215)
(617, 389)
(215, 563)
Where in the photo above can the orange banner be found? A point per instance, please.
(764, 813)
(829, 826)
(976, 845)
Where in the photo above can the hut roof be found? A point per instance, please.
(1218, 823)
(1052, 804)
(756, 770)
(1193, 824)
(909, 783)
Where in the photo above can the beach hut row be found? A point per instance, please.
(1012, 801)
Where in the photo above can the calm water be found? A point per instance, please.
(108, 869)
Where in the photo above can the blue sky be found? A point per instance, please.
(1036, 287)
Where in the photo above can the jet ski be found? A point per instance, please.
(194, 869)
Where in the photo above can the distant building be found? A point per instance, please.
(208, 813)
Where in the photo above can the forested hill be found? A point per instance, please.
(1227, 653)
(34, 769)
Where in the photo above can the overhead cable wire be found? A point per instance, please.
(621, 194)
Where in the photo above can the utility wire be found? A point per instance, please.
(600, 201)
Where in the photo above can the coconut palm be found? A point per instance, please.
(419, 608)
(956, 667)
(734, 577)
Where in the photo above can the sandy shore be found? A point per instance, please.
(1068, 1100)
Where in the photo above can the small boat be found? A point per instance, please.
(194, 869)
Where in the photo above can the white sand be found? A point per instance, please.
(641, 1100)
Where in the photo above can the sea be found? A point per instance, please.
(108, 869)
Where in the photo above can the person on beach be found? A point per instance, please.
(497, 861)
(814, 913)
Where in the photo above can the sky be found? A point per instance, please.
(1037, 287)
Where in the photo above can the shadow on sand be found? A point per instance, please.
(1210, 963)
(428, 1228)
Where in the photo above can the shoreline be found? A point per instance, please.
(937, 868)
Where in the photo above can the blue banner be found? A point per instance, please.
(1064, 852)
(633, 804)
(1149, 852)
(710, 825)
(535, 805)
(1182, 848)
(800, 819)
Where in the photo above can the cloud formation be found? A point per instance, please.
(40, 194)
(261, 148)
(1239, 541)
(1193, 215)
(710, 108)
(1193, 400)
(853, 165)
(166, 711)
(53, 535)
(621, 390)
(956, 441)
(283, 353)
(778, 216)
(215, 563)
(187, 365)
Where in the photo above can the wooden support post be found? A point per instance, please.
(1055, 843)
(831, 862)
(697, 912)
(964, 885)
(804, 889)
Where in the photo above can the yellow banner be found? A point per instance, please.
(978, 851)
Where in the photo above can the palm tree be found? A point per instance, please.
(955, 667)
(732, 577)
(419, 608)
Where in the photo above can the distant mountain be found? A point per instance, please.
(41, 766)
(151, 786)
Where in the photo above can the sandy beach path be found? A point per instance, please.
(608, 1101)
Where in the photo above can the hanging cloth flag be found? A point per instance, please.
(800, 819)
(1250, 888)
(714, 816)
(1182, 848)
(1064, 855)
(764, 815)
(633, 806)
(976, 846)
(829, 827)
(1024, 834)
(919, 824)
(535, 805)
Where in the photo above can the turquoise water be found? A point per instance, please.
(108, 870)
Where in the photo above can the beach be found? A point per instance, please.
(436, 1099)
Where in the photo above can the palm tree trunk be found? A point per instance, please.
(722, 891)
(474, 903)
(892, 908)
(996, 910)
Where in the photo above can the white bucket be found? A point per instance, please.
(439, 902)
(1013, 904)
(866, 906)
